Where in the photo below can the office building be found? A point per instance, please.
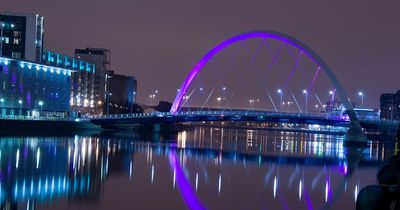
(122, 94)
(101, 59)
(35, 81)
(35, 89)
(21, 36)
(390, 106)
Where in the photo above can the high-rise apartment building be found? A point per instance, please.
(21, 36)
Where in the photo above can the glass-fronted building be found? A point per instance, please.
(37, 89)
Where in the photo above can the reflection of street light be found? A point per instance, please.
(361, 94)
(305, 92)
(279, 91)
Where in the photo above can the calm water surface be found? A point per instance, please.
(199, 168)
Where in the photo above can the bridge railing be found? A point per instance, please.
(214, 113)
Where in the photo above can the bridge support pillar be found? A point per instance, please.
(355, 136)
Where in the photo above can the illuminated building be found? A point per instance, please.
(21, 36)
(36, 82)
(33, 89)
(101, 59)
(122, 94)
(390, 106)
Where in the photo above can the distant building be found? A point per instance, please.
(390, 106)
(21, 36)
(101, 59)
(122, 94)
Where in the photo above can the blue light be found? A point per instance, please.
(22, 64)
(37, 67)
(29, 66)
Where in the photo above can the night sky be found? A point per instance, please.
(159, 41)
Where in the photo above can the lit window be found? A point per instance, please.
(16, 41)
(7, 40)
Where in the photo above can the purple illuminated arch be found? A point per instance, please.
(270, 35)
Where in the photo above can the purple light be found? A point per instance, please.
(264, 35)
(183, 184)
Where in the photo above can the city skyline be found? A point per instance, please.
(149, 41)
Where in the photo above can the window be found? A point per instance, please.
(16, 40)
(7, 40)
(17, 34)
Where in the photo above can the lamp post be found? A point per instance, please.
(133, 96)
(219, 99)
(279, 91)
(305, 92)
(2, 105)
(41, 106)
(361, 94)
(251, 104)
(108, 102)
(20, 107)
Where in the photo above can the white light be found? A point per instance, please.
(223, 88)
(37, 158)
(360, 93)
(279, 91)
(300, 189)
(20, 101)
(152, 174)
(275, 186)
(37, 67)
(12, 25)
(29, 66)
(219, 184)
(22, 64)
(17, 163)
(197, 181)
(305, 91)
(331, 92)
(201, 89)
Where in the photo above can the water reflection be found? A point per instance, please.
(212, 168)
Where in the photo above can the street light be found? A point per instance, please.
(279, 91)
(41, 105)
(219, 99)
(251, 102)
(305, 92)
(20, 107)
(108, 102)
(361, 94)
(133, 96)
(2, 105)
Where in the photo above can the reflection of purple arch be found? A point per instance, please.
(270, 35)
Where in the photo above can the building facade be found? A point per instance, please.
(101, 59)
(35, 81)
(122, 94)
(81, 82)
(21, 36)
(390, 106)
(32, 89)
